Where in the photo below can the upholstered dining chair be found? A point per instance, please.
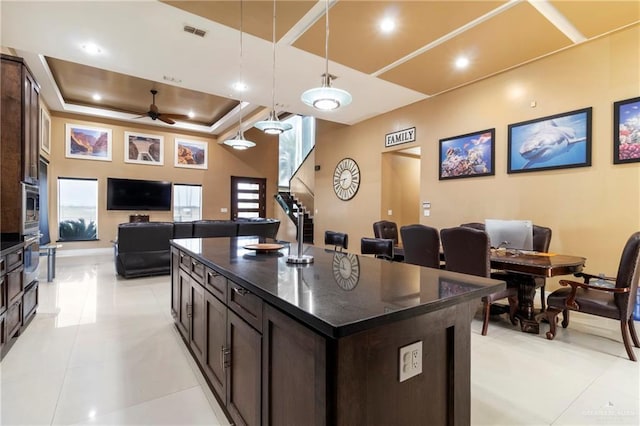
(609, 302)
(387, 230)
(382, 248)
(467, 250)
(338, 240)
(421, 245)
(541, 242)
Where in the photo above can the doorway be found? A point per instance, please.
(248, 197)
(400, 195)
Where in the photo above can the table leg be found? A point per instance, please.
(526, 312)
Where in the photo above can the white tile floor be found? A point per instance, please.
(103, 350)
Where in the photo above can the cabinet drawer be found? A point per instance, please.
(14, 259)
(29, 302)
(15, 284)
(3, 265)
(197, 271)
(13, 319)
(185, 261)
(3, 300)
(216, 284)
(246, 304)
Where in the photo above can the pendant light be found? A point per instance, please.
(326, 98)
(272, 125)
(239, 142)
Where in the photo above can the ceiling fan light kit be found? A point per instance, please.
(273, 126)
(326, 98)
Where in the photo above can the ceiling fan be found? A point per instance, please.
(155, 114)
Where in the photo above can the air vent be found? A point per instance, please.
(195, 31)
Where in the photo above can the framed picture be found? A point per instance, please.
(88, 143)
(45, 131)
(555, 142)
(468, 155)
(143, 149)
(191, 154)
(626, 131)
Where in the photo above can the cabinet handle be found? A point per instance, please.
(189, 311)
(241, 291)
(226, 357)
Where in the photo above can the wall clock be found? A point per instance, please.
(346, 179)
(346, 270)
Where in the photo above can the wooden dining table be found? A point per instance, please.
(521, 266)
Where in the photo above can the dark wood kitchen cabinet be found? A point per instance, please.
(217, 319)
(12, 296)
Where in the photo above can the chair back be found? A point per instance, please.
(474, 225)
(421, 245)
(541, 238)
(628, 274)
(386, 229)
(144, 237)
(382, 248)
(214, 228)
(336, 239)
(466, 250)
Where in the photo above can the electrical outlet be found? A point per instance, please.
(223, 210)
(410, 364)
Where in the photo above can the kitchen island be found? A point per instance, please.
(322, 343)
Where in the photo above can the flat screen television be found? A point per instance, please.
(135, 194)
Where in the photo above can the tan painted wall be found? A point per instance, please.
(592, 210)
(223, 162)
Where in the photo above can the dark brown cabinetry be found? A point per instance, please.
(220, 321)
(12, 296)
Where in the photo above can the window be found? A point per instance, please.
(187, 202)
(294, 146)
(77, 209)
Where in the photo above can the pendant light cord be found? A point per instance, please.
(326, 43)
(273, 36)
(240, 132)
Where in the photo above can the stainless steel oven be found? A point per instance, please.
(31, 258)
(30, 209)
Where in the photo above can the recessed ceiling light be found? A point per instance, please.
(462, 62)
(240, 86)
(191, 114)
(91, 48)
(97, 97)
(387, 25)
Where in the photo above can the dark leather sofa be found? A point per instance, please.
(142, 249)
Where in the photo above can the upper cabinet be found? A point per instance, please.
(20, 122)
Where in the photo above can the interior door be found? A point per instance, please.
(248, 197)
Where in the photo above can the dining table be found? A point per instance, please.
(521, 266)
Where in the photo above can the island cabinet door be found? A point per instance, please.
(197, 331)
(243, 371)
(213, 364)
(184, 288)
(294, 369)
(175, 288)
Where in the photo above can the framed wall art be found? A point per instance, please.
(626, 131)
(467, 155)
(45, 131)
(88, 143)
(190, 154)
(143, 149)
(555, 142)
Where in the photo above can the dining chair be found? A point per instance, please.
(338, 240)
(387, 230)
(541, 243)
(421, 245)
(382, 248)
(467, 250)
(615, 302)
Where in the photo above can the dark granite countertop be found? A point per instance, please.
(338, 294)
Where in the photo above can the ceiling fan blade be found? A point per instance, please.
(166, 119)
(141, 116)
(176, 116)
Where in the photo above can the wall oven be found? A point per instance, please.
(30, 209)
(31, 258)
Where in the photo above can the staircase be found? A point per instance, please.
(291, 207)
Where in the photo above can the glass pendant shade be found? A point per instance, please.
(272, 125)
(239, 142)
(326, 98)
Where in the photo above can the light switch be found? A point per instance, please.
(390, 212)
(223, 210)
